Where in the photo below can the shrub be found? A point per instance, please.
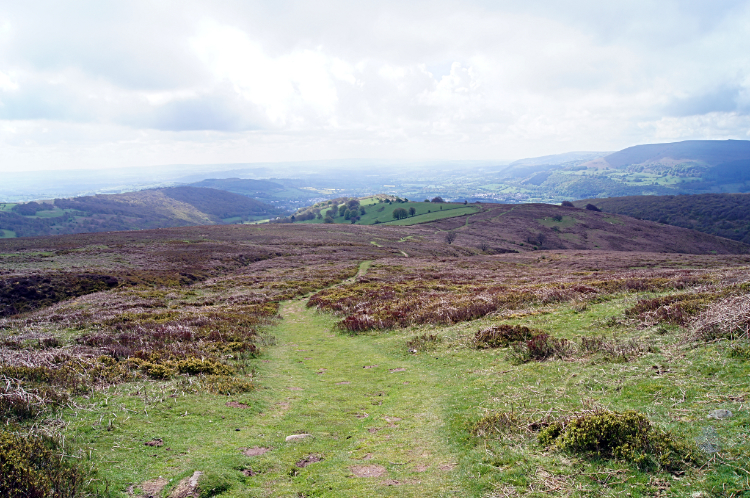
(540, 347)
(627, 436)
(424, 341)
(591, 207)
(500, 336)
(31, 466)
(567, 204)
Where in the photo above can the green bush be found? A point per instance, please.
(627, 436)
(31, 467)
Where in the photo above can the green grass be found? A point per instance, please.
(563, 222)
(382, 212)
(6, 206)
(435, 215)
(7, 234)
(414, 423)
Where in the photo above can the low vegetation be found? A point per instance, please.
(395, 364)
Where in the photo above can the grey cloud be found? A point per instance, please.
(207, 112)
(722, 99)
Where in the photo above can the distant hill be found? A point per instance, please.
(277, 193)
(154, 208)
(725, 215)
(699, 152)
(522, 227)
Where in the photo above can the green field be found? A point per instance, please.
(6, 206)
(435, 215)
(7, 234)
(382, 212)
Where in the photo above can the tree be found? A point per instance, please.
(567, 204)
(412, 211)
(450, 237)
(328, 219)
(342, 209)
(591, 207)
(400, 213)
(437, 199)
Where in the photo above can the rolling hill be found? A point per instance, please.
(154, 208)
(522, 227)
(725, 215)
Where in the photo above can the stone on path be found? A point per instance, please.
(720, 414)
(295, 437)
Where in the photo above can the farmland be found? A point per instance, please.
(405, 364)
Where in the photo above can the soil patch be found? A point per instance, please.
(368, 470)
(234, 404)
(295, 389)
(346, 382)
(391, 482)
(188, 487)
(248, 472)
(153, 488)
(256, 451)
(308, 460)
(156, 442)
(393, 370)
(369, 366)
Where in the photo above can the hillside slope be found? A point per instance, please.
(155, 208)
(725, 215)
(522, 227)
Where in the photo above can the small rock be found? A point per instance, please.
(188, 487)
(720, 414)
(295, 437)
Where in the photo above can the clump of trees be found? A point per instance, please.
(437, 199)
(400, 213)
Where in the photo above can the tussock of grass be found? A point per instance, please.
(423, 342)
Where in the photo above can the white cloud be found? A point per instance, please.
(96, 84)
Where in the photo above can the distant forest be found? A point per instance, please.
(725, 215)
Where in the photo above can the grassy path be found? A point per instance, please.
(369, 410)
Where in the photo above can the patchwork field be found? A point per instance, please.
(345, 360)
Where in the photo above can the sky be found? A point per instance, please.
(101, 84)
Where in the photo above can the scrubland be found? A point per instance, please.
(177, 362)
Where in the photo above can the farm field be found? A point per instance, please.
(378, 211)
(178, 361)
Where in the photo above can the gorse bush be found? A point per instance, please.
(627, 436)
(31, 466)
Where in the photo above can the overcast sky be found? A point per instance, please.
(100, 84)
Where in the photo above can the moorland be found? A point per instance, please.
(153, 208)
(538, 350)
